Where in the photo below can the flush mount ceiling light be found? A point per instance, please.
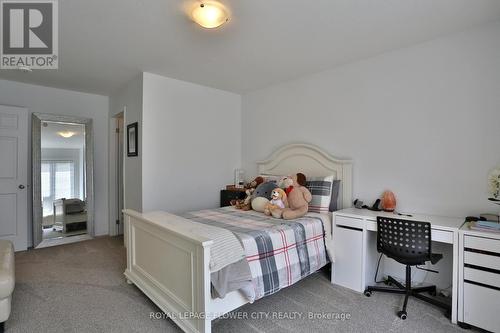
(210, 14)
(66, 134)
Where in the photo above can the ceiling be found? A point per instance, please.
(104, 44)
(50, 138)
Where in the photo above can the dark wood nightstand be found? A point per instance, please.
(233, 194)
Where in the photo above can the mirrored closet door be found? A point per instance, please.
(62, 179)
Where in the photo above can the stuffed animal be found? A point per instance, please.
(298, 197)
(278, 200)
(245, 203)
(254, 183)
(250, 187)
(262, 196)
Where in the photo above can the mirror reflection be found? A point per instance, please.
(63, 179)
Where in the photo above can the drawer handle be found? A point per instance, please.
(480, 268)
(489, 253)
(351, 217)
(482, 284)
(350, 228)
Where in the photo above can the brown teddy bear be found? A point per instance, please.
(254, 183)
(245, 203)
(298, 198)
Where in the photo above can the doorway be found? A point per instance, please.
(120, 133)
(116, 173)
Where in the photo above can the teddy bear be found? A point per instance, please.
(278, 200)
(245, 203)
(254, 183)
(298, 197)
(250, 187)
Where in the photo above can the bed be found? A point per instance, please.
(170, 260)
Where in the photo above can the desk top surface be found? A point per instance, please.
(439, 222)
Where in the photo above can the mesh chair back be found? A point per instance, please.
(408, 242)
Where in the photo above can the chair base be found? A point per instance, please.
(408, 291)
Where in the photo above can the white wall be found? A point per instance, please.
(423, 121)
(71, 103)
(191, 143)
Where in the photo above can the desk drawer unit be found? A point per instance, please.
(348, 243)
(481, 282)
(349, 222)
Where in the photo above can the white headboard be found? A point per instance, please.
(312, 161)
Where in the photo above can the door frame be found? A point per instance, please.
(113, 172)
(36, 162)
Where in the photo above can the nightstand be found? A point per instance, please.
(233, 194)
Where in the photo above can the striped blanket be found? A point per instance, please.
(278, 252)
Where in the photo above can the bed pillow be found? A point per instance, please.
(321, 190)
(335, 195)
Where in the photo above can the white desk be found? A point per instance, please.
(356, 253)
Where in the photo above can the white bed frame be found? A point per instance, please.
(171, 265)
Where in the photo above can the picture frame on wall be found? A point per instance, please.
(132, 139)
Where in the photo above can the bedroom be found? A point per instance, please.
(407, 92)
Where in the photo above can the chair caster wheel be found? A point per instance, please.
(402, 315)
(367, 293)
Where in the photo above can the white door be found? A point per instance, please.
(14, 175)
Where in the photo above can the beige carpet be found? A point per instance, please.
(80, 288)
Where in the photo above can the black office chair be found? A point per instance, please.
(409, 243)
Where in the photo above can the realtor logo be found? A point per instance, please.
(29, 34)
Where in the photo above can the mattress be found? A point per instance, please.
(278, 253)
